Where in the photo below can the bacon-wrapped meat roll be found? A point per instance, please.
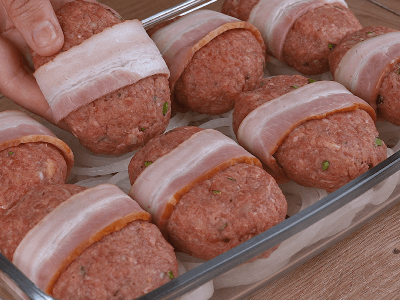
(212, 58)
(300, 33)
(78, 243)
(315, 133)
(30, 155)
(367, 62)
(206, 193)
(109, 83)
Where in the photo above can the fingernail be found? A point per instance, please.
(44, 34)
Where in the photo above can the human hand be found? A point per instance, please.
(23, 25)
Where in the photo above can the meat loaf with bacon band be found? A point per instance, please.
(206, 193)
(109, 83)
(78, 243)
(30, 155)
(300, 33)
(315, 133)
(212, 58)
(367, 62)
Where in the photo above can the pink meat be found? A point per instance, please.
(263, 130)
(377, 54)
(74, 225)
(274, 19)
(194, 160)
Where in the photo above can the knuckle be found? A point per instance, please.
(22, 8)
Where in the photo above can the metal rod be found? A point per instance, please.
(384, 7)
(184, 7)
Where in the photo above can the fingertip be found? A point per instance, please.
(47, 38)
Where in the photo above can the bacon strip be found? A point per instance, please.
(18, 128)
(180, 40)
(49, 247)
(264, 129)
(118, 56)
(365, 65)
(197, 159)
(274, 19)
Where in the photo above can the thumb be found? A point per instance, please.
(37, 23)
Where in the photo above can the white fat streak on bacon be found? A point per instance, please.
(16, 124)
(118, 56)
(274, 19)
(179, 40)
(364, 66)
(264, 129)
(74, 222)
(156, 187)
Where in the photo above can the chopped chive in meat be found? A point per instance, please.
(325, 165)
(147, 163)
(142, 129)
(295, 86)
(171, 275)
(10, 153)
(331, 46)
(232, 179)
(311, 80)
(223, 227)
(216, 192)
(369, 32)
(165, 108)
(378, 142)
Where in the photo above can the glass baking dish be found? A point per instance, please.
(300, 237)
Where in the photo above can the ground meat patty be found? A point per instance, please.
(230, 208)
(239, 8)
(26, 166)
(122, 265)
(312, 36)
(217, 214)
(229, 64)
(346, 140)
(32, 208)
(269, 88)
(123, 120)
(389, 92)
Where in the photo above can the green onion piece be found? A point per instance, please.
(230, 178)
(142, 129)
(171, 275)
(216, 192)
(331, 46)
(10, 153)
(378, 142)
(325, 165)
(147, 163)
(295, 86)
(223, 227)
(311, 80)
(165, 108)
(369, 32)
